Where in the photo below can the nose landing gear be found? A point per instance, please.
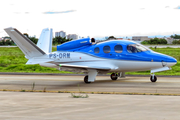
(153, 78)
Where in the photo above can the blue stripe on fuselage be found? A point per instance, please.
(148, 55)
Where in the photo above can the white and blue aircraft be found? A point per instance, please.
(84, 55)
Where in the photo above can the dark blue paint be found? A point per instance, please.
(74, 44)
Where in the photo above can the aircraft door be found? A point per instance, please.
(164, 63)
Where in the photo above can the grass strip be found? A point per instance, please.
(13, 60)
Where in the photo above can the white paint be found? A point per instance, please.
(45, 40)
(160, 69)
(92, 75)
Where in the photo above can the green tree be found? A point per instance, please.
(111, 37)
(60, 40)
(155, 41)
(25, 34)
(175, 36)
(176, 42)
(163, 41)
(33, 39)
(145, 42)
(7, 42)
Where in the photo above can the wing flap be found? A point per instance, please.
(85, 67)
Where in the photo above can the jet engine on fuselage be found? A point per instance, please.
(76, 44)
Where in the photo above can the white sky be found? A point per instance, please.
(94, 18)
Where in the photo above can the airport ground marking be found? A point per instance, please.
(92, 92)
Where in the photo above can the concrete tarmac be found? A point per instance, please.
(61, 106)
(166, 85)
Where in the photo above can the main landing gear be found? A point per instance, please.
(91, 76)
(153, 78)
(86, 79)
(114, 76)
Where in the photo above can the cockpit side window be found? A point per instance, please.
(106, 49)
(118, 49)
(135, 48)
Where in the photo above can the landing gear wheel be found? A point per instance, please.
(86, 79)
(114, 76)
(153, 80)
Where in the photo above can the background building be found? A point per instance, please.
(61, 34)
(6, 38)
(72, 36)
(170, 40)
(140, 38)
(119, 38)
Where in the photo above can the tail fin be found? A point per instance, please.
(27, 46)
(45, 40)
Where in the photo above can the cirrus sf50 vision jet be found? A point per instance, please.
(85, 55)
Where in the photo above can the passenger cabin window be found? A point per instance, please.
(106, 49)
(135, 48)
(118, 48)
(96, 50)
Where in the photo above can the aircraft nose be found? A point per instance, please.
(171, 61)
(164, 59)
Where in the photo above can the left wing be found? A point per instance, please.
(92, 70)
(87, 67)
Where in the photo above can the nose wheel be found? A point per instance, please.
(153, 78)
(114, 76)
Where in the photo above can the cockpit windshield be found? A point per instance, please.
(135, 48)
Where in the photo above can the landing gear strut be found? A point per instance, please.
(91, 76)
(86, 79)
(114, 76)
(153, 78)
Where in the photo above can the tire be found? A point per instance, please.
(113, 76)
(86, 79)
(153, 80)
